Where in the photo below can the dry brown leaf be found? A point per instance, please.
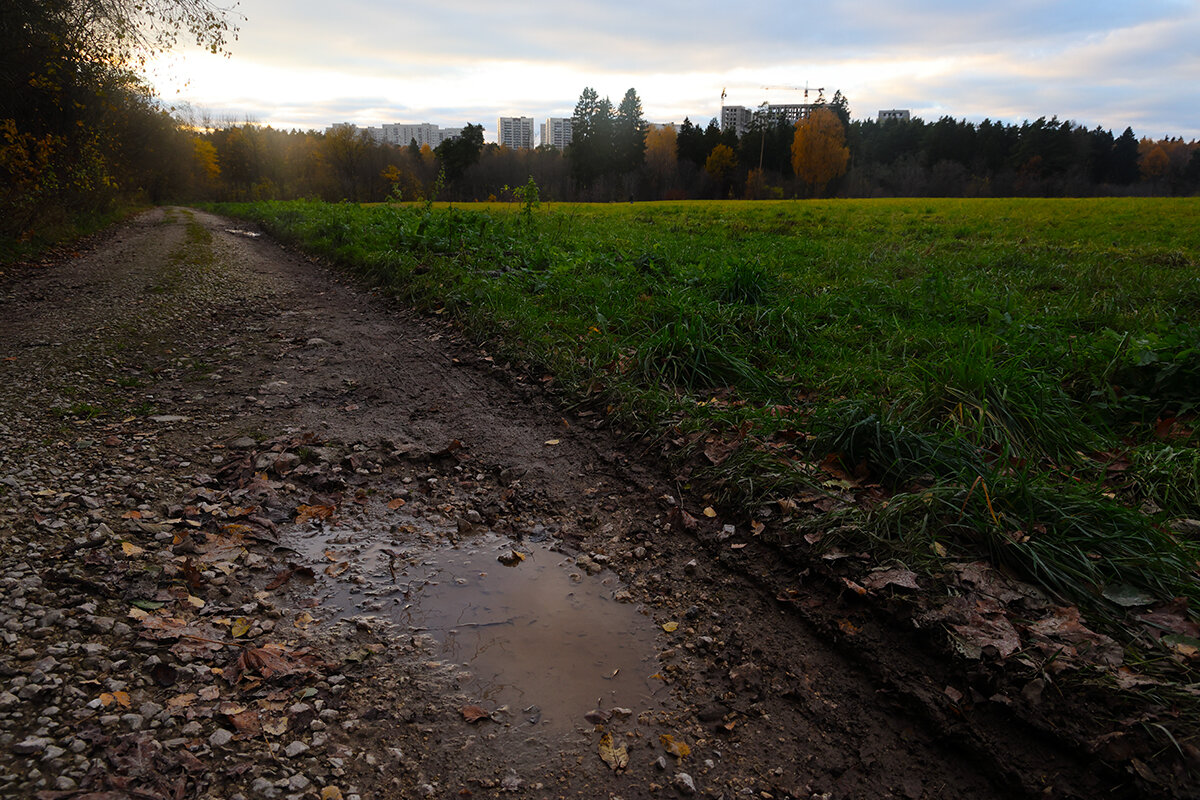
(306, 513)
(474, 713)
(681, 521)
(897, 577)
(990, 629)
(396, 503)
(617, 757)
(130, 549)
(679, 749)
(271, 660)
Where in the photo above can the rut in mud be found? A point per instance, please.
(283, 538)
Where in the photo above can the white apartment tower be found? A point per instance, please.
(515, 132)
(556, 132)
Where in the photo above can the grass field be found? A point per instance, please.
(930, 378)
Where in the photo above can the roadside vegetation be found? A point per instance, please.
(925, 380)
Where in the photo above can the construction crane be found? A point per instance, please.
(805, 88)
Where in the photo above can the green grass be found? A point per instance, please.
(1019, 377)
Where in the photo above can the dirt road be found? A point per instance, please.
(266, 534)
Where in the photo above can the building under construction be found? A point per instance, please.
(741, 119)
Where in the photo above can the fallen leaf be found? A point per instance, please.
(331, 793)
(1127, 596)
(847, 627)
(241, 626)
(333, 570)
(1186, 646)
(148, 605)
(670, 627)
(474, 713)
(737, 546)
(681, 520)
(276, 726)
(757, 527)
(131, 549)
(180, 701)
(676, 748)
(305, 513)
(396, 503)
(195, 602)
(854, 587)
(616, 757)
(988, 629)
(271, 660)
(710, 512)
(283, 576)
(552, 442)
(511, 558)
(246, 721)
(898, 577)
(303, 620)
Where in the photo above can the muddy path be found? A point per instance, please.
(267, 534)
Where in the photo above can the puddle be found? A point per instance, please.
(542, 637)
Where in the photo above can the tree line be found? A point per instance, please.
(81, 133)
(617, 155)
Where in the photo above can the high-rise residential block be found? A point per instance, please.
(556, 132)
(515, 132)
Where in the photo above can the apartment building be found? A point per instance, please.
(515, 132)
(556, 132)
(403, 134)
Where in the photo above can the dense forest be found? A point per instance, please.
(81, 133)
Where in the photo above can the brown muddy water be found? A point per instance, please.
(537, 636)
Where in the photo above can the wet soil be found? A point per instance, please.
(353, 555)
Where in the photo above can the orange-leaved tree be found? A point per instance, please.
(819, 152)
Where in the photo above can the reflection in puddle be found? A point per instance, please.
(542, 637)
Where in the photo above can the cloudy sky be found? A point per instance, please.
(306, 64)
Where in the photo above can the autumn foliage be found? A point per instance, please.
(819, 152)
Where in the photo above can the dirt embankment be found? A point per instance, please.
(265, 534)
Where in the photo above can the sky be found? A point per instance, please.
(303, 64)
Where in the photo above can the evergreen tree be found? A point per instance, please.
(630, 133)
(1123, 167)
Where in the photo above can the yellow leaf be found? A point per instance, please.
(122, 699)
(131, 549)
(678, 749)
(553, 442)
(710, 512)
(616, 757)
(195, 602)
(303, 620)
(670, 627)
(241, 626)
(331, 793)
(939, 549)
(106, 699)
